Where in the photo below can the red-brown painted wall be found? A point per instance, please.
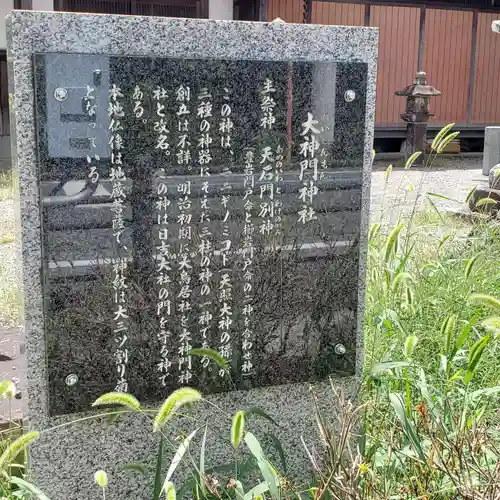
(397, 59)
(447, 51)
(446, 56)
(291, 11)
(485, 97)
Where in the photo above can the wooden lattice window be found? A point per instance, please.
(167, 8)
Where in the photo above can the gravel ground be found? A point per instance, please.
(452, 178)
(396, 195)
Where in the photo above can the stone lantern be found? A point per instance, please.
(417, 114)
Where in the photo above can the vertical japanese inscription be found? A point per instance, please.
(163, 281)
(120, 263)
(225, 280)
(271, 163)
(185, 230)
(205, 246)
(91, 110)
(308, 169)
(163, 257)
(248, 256)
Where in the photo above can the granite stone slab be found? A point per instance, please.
(63, 460)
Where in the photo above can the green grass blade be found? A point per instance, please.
(260, 413)
(400, 278)
(7, 389)
(447, 331)
(279, 448)
(237, 428)
(470, 264)
(492, 324)
(485, 300)
(392, 242)
(408, 427)
(169, 490)
(118, 398)
(410, 344)
(442, 197)
(475, 355)
(488, 391)
(440, 135)
(388, 365)
(202, 461)
(411, 159)
(462, 338)
(257, 491)
(211, 354)
(179, 398)
(16, 447)
(267, 471)
(29, 488)
(470, 193)
(388, 173)
(181, 450)
(485, 202)
(446, 140)
(443, 240)
(374, 231)
(158, 471)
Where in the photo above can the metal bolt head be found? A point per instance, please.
(340, 349)
(349, 95)
(71, 379)
(60, 94)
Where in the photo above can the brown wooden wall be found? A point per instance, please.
(338, 13)
(447, 51)
(398, 57)
(469, 82)
(291, 11)
(485, 97)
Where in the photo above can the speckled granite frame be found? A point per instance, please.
(63, 461)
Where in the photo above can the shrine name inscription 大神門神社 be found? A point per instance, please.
(223, 214)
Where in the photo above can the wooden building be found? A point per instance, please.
(451, 40)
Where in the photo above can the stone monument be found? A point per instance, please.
(491, 151)
(184, 184)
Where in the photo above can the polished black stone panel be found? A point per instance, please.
(305, 276)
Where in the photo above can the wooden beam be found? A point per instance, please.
(421, 39)
(204, 9)
(472, 67)
(264, 10)
(439, 4)
(307, 16)
(23, 4)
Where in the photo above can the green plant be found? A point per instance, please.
(13, 446)
(226, 481)
(422, 436)
(430, 394)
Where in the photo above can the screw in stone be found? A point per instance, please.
(71, 379)
(349, 95)
(97, 77)
(60, 94)
(340, 349)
